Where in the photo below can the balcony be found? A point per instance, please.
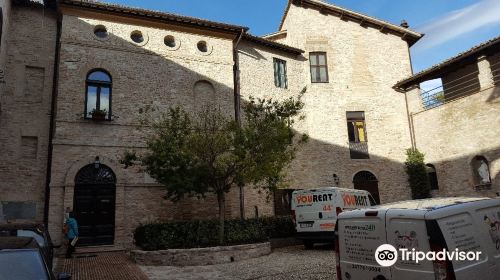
(359, 150)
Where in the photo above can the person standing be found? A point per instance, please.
(70, 234)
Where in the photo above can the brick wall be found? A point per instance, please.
(363, 64)
(29, 48)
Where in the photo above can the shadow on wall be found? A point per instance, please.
(144, 77)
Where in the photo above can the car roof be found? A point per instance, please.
(431, 203)
(25, 226)
(17, 243)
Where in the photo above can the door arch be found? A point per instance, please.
(365, 180)
(94, 204)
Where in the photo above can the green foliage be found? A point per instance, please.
(417, 174)
(203, 233)
(211, 153)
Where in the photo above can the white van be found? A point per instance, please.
(315, 211)
(467, 230)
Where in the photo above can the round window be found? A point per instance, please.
(137, 37)
(100, 31)
(202, 46)
(170, 41)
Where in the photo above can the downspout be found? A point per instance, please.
(409, 115)
(237, 102)
(410, 122)
(55, 81)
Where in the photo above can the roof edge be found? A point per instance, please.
(404, 84)
(407, 34)
(272, 44)
(274, 34)
(151, 14)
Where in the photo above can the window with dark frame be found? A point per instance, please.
(319, 67)
(98, 95)
(356, 127)
(356, 130)
(280, 73)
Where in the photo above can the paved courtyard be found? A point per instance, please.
(99, 266)
(285, 263)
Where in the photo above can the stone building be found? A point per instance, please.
(456, 124)
(27, 57)
(79, 75)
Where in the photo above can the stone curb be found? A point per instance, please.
(200, 256)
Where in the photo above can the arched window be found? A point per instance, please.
(431, 173)
(480, 171)
(98, 95)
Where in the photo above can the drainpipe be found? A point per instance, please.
(237, 101)
(55, 81)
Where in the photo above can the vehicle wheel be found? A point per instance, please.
(309, 244)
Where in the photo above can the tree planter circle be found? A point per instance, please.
(201, 256)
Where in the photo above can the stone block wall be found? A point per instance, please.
(452, 134)
(28, 50)
(144, 75)
(363, 64)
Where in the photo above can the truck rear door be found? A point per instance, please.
(360, 233)
(315, 211)
(407, 230)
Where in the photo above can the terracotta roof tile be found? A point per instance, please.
(409, 35)
(151, 14)
(422, 75)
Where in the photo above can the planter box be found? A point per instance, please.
(200, 256)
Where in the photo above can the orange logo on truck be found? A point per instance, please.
(354, 200)
(310, 198)
(327, 225)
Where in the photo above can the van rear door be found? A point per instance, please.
(407, 230)
(461, 231)
(360, 233)
(315, 210)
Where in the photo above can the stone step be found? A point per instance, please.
(98, 249)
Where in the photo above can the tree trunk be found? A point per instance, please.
(221, 200)
(242, 202)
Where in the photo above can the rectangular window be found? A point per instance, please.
(356, 127)
(356, 130)
(319, 67)
(280, 73)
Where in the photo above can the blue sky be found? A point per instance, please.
(451, 26)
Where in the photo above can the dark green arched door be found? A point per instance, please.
(94, 205)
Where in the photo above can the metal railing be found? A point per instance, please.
(359, 150)
(463, 86)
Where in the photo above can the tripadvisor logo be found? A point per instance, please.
(387, 255)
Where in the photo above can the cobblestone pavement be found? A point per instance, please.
(288, 263)
(100, 266)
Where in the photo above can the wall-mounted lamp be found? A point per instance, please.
(97, 163)
(336, 179)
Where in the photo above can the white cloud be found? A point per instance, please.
(459, 22)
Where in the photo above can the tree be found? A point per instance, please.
(211, 153)
(417, 174)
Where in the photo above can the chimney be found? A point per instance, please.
(404, 24)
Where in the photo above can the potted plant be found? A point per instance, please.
(98, 114)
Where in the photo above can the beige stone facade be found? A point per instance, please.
(464, 125)
(357, 56)
(361, 75)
